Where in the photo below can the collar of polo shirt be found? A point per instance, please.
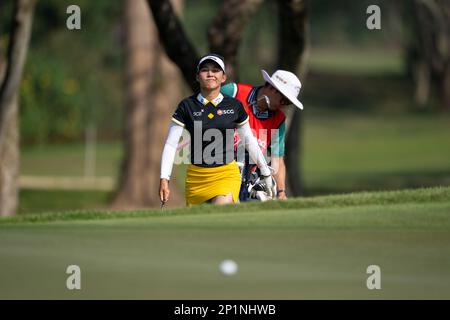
(214, 101)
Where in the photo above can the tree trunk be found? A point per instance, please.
(292, 52)
(152, 92)
(421, 75)
(225, 32)
(432, 19)
(9, 162)
(445, 89)
(9, 133)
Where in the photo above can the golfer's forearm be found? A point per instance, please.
(169, 151)
(251, 144)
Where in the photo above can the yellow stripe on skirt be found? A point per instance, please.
(203, 183)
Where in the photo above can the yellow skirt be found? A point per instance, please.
(203, 184)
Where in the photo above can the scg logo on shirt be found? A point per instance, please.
(221, 112)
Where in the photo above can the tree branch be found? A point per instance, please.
(293, 41)
(175, 41)
(225, 31)
(293, 33)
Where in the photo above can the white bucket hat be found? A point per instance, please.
(287, 83)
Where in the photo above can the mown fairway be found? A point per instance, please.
(301, 249)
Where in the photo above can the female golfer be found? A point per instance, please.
(210, 118)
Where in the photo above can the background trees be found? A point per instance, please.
(152, 90)
(352, 78)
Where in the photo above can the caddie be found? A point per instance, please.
(264, 106)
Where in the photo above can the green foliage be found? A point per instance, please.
(51, 103)
(72, 77)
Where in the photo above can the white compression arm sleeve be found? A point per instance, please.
(170, 149)
(251, 144)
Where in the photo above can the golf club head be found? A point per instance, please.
(258, 190)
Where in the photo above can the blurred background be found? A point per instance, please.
(375, 117)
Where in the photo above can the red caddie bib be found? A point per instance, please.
(261, 127)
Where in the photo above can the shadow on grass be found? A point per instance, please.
(36, 201)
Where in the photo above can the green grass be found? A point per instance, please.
(425, 195)
(351, 152)
(37, 201)
(305, 248)
(68, 160)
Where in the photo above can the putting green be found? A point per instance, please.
(314, 248)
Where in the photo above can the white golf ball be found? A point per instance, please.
(228, 267)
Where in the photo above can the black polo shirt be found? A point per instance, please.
(211, 125)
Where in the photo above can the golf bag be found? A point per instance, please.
(253, 187)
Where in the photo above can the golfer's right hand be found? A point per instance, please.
(164, 190)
